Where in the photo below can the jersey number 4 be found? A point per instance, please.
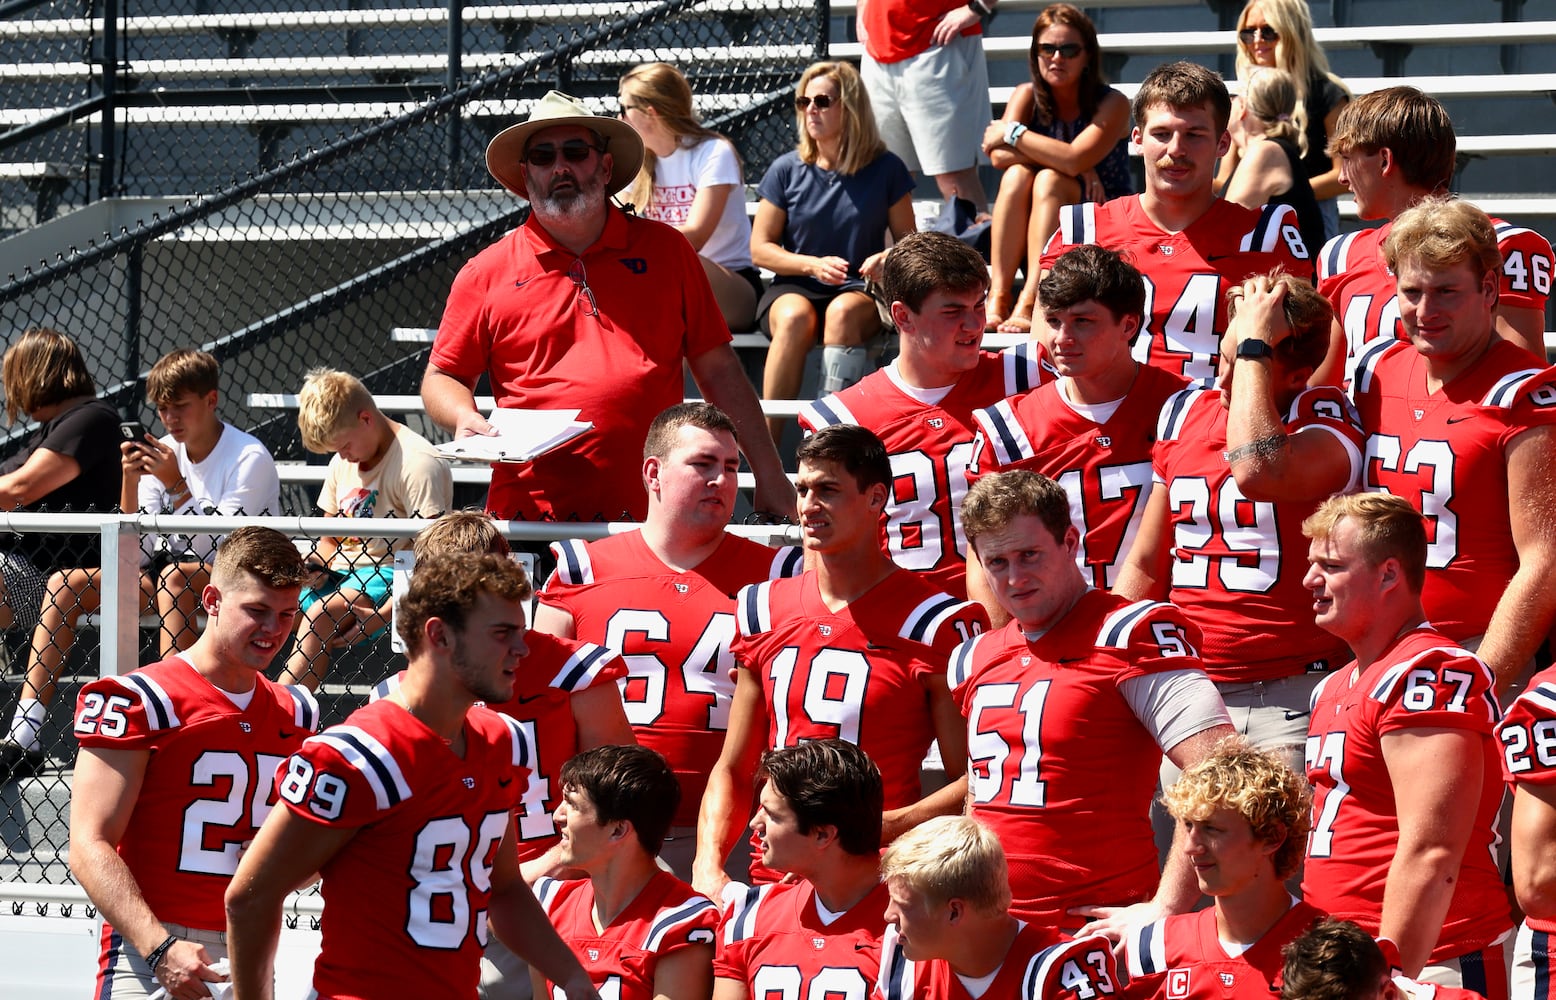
(704, 671)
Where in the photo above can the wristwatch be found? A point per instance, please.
(1014, 131)
(1254, 350)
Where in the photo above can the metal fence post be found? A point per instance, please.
(120, 587)
(107, 185)
(456, 48)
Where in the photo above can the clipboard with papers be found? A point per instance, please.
(521, 436)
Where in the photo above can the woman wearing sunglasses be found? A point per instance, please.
(821, 227)
(692, 180)
(1064, 140)
(1279, 34)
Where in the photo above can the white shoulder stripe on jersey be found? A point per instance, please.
(1506, 390)
(1335, 255)
(826, 412)
(741, 923)
(572, 562)
(1022, 370)
(960, 666)
(384, 688)
(1003, 432)
(923, 623)
(1116, 627)
(582, 667)
(1176, 411)
(788, 561)
(895, 980)
(753, 614)
(159, 707)
(523, 753)
(1147, 950)
(1367, 362)
(546, 889)
(670, 919)
(1264, 237)
(305, 707)
(1040, 970)
(362, 751)
(1543, 695)
(1078, 224)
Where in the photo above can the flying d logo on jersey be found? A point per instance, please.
(936, 422)
(469, 782)
(818, 943)
(594, 954)
(1103, 441)
(825, 630)
(681, 588)
(1227, 979)
(1177, 984)
(1164, 249)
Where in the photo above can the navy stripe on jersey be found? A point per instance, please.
(1021, 368)
(744, 923)
(1261, 237)
(1142, 952)
(545, 891)
(790, 561)
(159, 710)
(1335, 254)
(1367, 361)
(1540, 958)
(1506, 390)
(1472, 968)
(1117, 626)
(305, 708)
(894, 974)
(669, 921)
(960, 666)
(1001, 418)
(384, 688)
(522, 754)
(751, 613)
(582, 665)
(1175, 412)
(924, 622)
(571, 561)
(823, 415)
(388, 783)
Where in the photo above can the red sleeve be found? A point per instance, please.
(1535, 405)
(1083, 969)
(1526, 268)
(319, 783)
(1442, 688)
(462, 345)
(1528, 733)
(111, 714)
(1160, 640)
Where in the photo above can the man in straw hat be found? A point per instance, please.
(587, 308)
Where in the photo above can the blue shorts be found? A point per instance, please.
(373, 581)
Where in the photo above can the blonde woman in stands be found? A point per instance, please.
(1279, 34)
(692, 179)
(1270, 142)
(821, 227)
(1064, 140)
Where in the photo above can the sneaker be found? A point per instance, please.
(16, 761)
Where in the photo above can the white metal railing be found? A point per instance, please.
(119, 613)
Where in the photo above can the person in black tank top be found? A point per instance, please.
(1271, 143)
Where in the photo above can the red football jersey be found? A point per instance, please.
(1181, 957)
(1528, 735)
(406, 898)
(1238, 564)
(1039, 966)
(1356, 280)
(673, 632)
(542, 706)
(1056, 754)
(1187, 274)
(774, 941)
(1104, 468)
(860, 674)
(209, 781)
(665, 916)
(1445, 453)
(931, 448)
(1422, 681)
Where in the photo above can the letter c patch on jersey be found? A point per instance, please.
(1177, 984)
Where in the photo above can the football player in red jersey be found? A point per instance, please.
(1337, 960)
(1236, 470)
(818, 933)
(1463, 425)
(1244, 815)
(406, 810)
(1091, 431)
(921, 405)
(953, 937)
(638, 931)
(1189, 244)
(664, 598)
(1528, 735)
(1396, 149)
(1069, 710)
(1401, 756)
(854, 648)
(164, 751)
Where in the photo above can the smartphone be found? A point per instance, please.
(132, 430)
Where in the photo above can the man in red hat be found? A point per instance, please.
(585, 308)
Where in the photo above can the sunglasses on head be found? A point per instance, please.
(573, 151)
(1069, 50)
(1262, 33)
(821, 101)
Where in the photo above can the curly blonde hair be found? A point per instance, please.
(1256, 785)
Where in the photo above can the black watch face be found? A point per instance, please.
(1254, 349)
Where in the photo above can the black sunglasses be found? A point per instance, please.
(822, 102)
(573, 151)
(1069, 50)
(1263, 32)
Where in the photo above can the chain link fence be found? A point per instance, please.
(301, 182)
